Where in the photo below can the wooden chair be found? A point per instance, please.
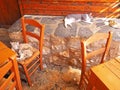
(87, 55)
(9, 77)
(31, 64)
(9, 73)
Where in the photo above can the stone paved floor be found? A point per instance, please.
(55, 25)
(61, 51)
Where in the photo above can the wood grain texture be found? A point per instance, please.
(106, 76)
(9, 66)
(9, 12)
(101, 8)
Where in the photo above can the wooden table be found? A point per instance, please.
(105, 76)
(5, 53)
(8, 62)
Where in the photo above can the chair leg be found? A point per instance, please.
(81, 81)
(27, 75)
(41, 65)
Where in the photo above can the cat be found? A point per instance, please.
(72, 18)
(112, 23)
(23, 50)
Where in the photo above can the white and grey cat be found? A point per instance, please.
(72, 18)
(23, 50)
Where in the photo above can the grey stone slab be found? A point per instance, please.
(116, 35)
(84, 23)
(73, 43)
(48, 30)
(65, 32)
(58, 17)
(85, 32)
(38, 19)
(48, 20)
(105, 29)
(116, 32)
(100, 24)
(30, 28)
(16, 26)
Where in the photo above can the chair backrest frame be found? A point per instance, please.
(25, 32)
(103, 50)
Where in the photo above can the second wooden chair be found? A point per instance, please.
(31, 64)
(87, 54)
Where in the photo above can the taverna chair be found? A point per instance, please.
(9, 76)
(9, 73)
(87, 54)
(30, 65)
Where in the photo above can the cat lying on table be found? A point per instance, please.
(72, 18)
(23, 50)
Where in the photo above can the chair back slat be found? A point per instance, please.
(33, 35)
(96, 37)
(95, 53)
(32, 22)
(8, 81)
(5, 69)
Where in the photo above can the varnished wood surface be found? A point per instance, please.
(100, 8)
(106, 76)
(9, 66)
(5, 53)
(9, 12)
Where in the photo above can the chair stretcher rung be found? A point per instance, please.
(34, 70)
(7, 81)
(32, 65)
(5, 69)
